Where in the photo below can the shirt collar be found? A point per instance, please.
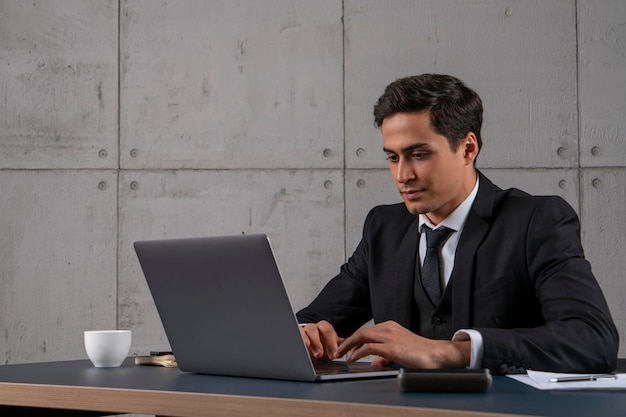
(456, 219)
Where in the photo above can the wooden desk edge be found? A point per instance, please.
(187, 404)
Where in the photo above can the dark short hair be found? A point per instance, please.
(455, 109)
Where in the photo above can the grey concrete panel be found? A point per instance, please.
(249, 84)
(519, 55)
(365, 189)
(225, 84)
(58, 83)
(301, 211)
(602, 83)
(58, 267)
(604, 236)
(561, 182)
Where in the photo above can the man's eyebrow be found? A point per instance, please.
(408, 148)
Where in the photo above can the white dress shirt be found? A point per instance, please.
(456, 222)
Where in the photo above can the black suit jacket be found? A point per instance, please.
(519, 277)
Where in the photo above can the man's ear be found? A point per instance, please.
(470, 147)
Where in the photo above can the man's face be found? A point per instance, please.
(432, 179)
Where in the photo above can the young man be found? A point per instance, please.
(508, 288)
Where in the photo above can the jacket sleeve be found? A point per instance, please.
(578, 334)
(345, 300)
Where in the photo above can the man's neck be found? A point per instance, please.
(460, 211)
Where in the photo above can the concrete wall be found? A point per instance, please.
(143, 119)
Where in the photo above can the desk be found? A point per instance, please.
(52, 388)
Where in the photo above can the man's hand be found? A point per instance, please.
(321, 340)
(396, 344)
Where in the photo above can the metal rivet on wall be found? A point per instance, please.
(508, 12)
(134, 185)
(595, 151)
(360, 183)
(102, 185)
(328, 153)
(103, 153)
(561, 151)
(360, 152)
(562, 184)
(134, 153)
(596, 183)
(328, 184)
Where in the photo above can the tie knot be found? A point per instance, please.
(434, 238)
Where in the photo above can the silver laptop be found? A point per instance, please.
(225, 310)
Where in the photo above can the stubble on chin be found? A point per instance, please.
(418, 209)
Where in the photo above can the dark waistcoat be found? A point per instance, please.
(433, 322)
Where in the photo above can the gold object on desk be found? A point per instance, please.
(167, 361)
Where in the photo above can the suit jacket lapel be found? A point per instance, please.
(405, 273)
(476, 227)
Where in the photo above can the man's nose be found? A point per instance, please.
(405, 172)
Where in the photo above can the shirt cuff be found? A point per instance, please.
(476, 346)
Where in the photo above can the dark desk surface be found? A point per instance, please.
(505, 397)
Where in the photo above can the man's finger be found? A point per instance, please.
(355, 340)
(315, 344)
(359, 352)
(329, 338)
(381, 362)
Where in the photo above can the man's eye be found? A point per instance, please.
(392, 158)
(419, 155)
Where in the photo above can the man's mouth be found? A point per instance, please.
(412, 193)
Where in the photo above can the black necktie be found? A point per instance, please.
(431, 269)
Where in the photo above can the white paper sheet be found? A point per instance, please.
(541, 380)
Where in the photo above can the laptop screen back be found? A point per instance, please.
(224, 306)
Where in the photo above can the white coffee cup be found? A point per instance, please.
(107, 348)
